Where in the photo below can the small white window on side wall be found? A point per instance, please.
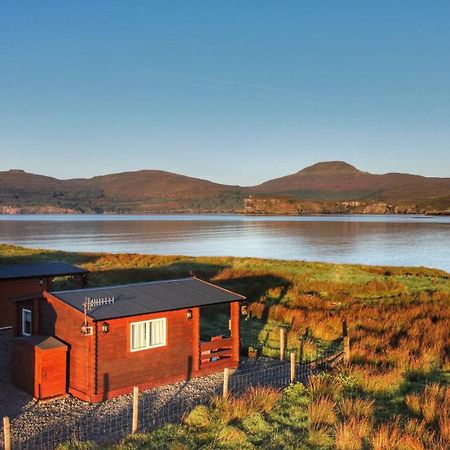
(27, 318)
(148, 334)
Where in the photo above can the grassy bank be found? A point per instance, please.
(398, 323)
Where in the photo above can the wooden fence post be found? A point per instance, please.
(282, 343)
(6, 433)
(226, 378)
(135, 424)
(293, 361)
(346, 341)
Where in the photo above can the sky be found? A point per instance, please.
(237, 92)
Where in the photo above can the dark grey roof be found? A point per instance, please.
(42, 342)
(145, 298)
(52, 269)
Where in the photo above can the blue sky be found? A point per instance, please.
(233, 91)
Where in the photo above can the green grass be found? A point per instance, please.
(398, 324)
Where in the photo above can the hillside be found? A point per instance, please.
(128, 192)
(325, 187)
(337, 180)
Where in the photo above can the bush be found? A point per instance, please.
(199, 417)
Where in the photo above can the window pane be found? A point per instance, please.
(158, 332)
(148, 334)
(26, 322)
(138, 335)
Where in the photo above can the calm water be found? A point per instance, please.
(385, 240)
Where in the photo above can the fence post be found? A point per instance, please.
(282, 343)
(226, 378)
(346, 341)
(6, 433)
(135, 424)
(293, 361)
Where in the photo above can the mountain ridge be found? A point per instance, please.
(153, 190)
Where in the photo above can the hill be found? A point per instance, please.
(337, 180)
(128, 192)
(326, 187)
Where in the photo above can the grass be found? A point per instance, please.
(394, 394)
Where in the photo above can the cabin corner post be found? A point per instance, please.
(235, 310)
(196, 349)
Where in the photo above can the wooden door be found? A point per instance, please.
(53, 373)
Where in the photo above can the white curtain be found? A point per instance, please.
(158, 332)
(147, 334)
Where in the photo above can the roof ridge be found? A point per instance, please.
(220, 287)
(126, 285)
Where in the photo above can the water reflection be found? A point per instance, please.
(383, 240)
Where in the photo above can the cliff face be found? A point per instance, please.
(36, 210)
(288, 206)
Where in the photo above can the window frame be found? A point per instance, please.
(23, 332)
(148, 332)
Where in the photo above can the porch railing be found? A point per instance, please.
(213, 352)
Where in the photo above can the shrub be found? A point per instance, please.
(232, 436)
(199, 417)
(75, 444)
(256, 426)
(319, 438)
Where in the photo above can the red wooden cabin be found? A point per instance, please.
(21, 287)
(145, 334)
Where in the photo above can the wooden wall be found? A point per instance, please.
(64, 322)
(11, 290)
(14, 289)
(22, 366)
(118, 369)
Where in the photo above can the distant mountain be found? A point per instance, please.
(338, 180)
(324, 186)
(129, 192)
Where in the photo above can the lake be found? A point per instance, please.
(381, 240)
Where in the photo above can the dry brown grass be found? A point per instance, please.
(254, 400)
(357, 408)
(349, 434)
(322, 412)
(398, 323)
(433, 405)
(387, 437)
(324, 386)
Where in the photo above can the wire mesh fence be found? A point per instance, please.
(154, 413)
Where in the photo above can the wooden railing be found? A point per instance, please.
(213, 352)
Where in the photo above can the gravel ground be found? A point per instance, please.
(29, 417)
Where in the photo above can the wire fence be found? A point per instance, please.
(154, 413)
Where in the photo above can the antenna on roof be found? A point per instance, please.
(89, 302)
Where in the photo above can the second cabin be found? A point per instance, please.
(145, 334)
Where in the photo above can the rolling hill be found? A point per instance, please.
(338, 180)
(322, 187)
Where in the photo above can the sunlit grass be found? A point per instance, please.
(395, 392)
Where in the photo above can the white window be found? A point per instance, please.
(27, 318)
(148, 334)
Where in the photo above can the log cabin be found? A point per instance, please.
(145, 334)
(21, 288)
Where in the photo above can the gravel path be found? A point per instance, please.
(29, 417)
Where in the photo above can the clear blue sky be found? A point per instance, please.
(233, 91)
